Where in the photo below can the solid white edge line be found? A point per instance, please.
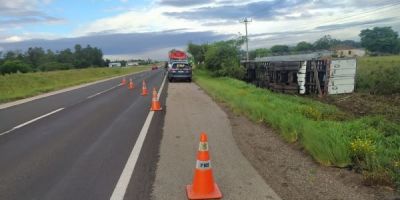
(31, 121)
(124, 179)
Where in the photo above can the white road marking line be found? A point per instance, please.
(91, 96)
(124, 179)
(31, 121)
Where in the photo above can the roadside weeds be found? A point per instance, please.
(368, 144)
(291, 172)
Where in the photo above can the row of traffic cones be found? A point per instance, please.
(203, 185)
(155, 103)
(130, 85)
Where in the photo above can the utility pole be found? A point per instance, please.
(245, 21)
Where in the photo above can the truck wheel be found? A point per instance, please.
(170, 79)
(190, 80)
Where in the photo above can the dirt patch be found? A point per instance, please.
(291, 172)
(362, 104)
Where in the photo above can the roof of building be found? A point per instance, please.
(346, 48)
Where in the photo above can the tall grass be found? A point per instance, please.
(329, 135)
(378, 75)
(17, 86)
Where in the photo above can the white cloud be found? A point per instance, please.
(21, 7)
(14, 38)
(310, 16)
(142, 20)
(284, 25)
(28, 36)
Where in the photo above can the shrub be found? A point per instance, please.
(52, 66)
(222, 59)
(363, 150)
(13, 66)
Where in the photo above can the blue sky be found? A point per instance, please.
(148, 28)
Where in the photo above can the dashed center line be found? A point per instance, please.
(31, 121)
(91, 96)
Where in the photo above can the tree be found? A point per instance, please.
(280, 49)
(65, 56)
(10, 55)
(222, 58)
(35, 56)
(325, 43)
(106, 62)
(79, 60)
(260, 52)
(380, 39)
(97, 56)
(50, 56)
(304, 46)
(197, 51)
(350, 43)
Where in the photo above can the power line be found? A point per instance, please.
(348, 17)
(357, 15)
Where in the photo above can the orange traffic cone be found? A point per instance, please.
(123, 82)
(144, 89)
(203, 186)
(155, 104)
(131, 86)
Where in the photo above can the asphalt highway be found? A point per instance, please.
(76, 144)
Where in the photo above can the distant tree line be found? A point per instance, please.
(378, 41)
(37, 59)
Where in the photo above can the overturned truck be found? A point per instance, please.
(316, 73)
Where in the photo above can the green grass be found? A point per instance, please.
(18, 86)
(369, 144)
(378, 75)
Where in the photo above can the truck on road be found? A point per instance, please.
(178, 66)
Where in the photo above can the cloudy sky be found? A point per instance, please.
(149, 28)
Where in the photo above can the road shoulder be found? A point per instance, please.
(191, 111)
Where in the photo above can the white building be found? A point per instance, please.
(349, 52)
(132, 64)
(114, 64)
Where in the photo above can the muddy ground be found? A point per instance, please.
(362, 104)
(291, 172)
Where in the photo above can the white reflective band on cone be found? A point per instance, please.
(203, 164)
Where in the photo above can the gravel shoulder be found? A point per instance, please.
(291, 172)
(188, 112)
